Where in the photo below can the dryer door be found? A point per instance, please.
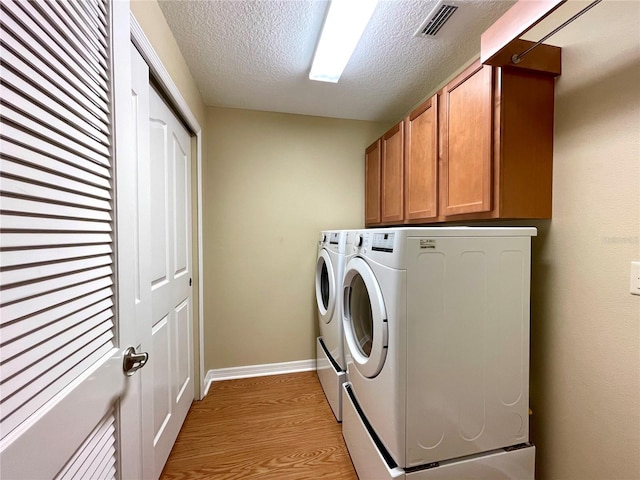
(325, 286)
(365, 318)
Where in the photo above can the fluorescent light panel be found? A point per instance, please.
(342, 30)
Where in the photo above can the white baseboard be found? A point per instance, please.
(248, 371)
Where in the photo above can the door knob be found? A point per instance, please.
(132, 361)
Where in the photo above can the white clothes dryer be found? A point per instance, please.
(436, 322)
(330, 360)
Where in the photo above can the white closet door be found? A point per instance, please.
(137, 434)
(172, 363)
(60, 335)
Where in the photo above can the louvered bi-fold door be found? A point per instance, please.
(60, 362)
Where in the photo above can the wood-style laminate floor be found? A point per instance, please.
(270, 428)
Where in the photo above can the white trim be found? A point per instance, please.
(169, 88)
(249, 371)
(200, 267)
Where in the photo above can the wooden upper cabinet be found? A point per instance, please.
(482, 148)
(467, 133)
(372, 184)
(392, 176)
(421, 163)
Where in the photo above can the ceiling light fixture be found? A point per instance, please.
(343, 27)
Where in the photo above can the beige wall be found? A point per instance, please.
(274, 182)
(585, 379)
(154, 25)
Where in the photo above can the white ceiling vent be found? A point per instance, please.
(436, 19)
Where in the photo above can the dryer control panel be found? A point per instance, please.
(383, 242)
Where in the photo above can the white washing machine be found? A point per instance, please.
(436, 321)
(330, 360)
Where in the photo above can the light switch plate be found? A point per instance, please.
(634, 283)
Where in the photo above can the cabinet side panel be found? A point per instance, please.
(526, 141)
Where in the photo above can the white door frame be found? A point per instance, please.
(171, 91)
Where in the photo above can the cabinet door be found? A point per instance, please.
(372, 184)
(421, 162)
(466, 177)
(392, 201)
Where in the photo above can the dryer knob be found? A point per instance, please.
(359, 240)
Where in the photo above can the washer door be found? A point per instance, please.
(365, 318)
(325, 286)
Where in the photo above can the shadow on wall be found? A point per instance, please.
(540, 338)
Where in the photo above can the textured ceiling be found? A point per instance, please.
(257, 54)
